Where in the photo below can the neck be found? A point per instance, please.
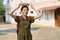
(24, 16)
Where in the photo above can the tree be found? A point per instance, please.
(2, 9)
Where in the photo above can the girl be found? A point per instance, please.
(24, 22)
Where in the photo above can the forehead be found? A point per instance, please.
(25, 8)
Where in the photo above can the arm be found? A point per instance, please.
(23, 4)
(11, 14)
(38, 14)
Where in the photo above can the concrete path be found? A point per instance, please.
(8, 32)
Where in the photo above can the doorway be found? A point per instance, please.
(57, 17)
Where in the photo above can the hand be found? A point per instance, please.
(25, 4)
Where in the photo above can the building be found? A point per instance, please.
(47, 7)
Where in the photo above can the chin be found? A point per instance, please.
(25, 14)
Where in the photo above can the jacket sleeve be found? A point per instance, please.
(32, 19)
(17, 19)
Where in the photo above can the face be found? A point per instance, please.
(24, 11)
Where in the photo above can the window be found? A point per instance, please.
(31, 12)
(47, 15)
(8, 1)
(39, 11)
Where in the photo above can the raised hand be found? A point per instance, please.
(24, 4)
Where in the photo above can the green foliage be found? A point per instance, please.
(2, 9)
(1, 0)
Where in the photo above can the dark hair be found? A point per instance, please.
(24, 7)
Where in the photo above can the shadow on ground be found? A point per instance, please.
(34, 28)
(4, 32)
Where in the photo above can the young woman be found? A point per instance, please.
(24, 22)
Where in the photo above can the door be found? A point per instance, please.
(57, 17)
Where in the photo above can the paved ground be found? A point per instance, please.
(8, 32)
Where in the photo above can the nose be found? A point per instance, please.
(26, 11)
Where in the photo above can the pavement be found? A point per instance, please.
(8, 32)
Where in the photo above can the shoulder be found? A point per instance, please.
(19, 17)
(30, 17)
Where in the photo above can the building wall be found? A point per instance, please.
(46, 19)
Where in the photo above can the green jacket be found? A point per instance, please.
(24, 27)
